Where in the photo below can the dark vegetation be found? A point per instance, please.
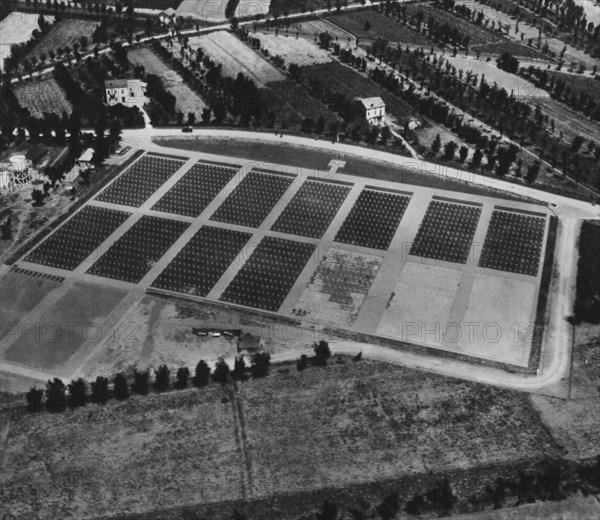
(587, 302)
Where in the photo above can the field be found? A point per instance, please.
(513, 84)
(335, 77)
(381, 25)
(361, 424)
(214, 11)
(300, 102)
(142, 246)
(64, 34)
(140, 181)
(87, 229)
(17, 28)
(235, 57)
(186, 99)
(297, 51)
(42, 96)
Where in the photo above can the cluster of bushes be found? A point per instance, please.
(18, 51)
(59, 396)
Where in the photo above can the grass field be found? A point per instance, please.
(234, 56)
(381, 25)
(42, 96)
(17, 28)
(347, 424)
(64, 34)
(186, 99)
(294, 50)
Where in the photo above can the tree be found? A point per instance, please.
(477, 157)
(183, 374)
(140, 382)
(449, 150)
(56, 400)
(260, 364)
(322, 353)
(389, 507)
(206, 115)
(329, 511)
(99, 393)
(463, 153)
(532, 172)
(221, 372)
(303, 363)
(34, 399)
(437, 144)
(121, 388)
(161, 378)
(320, 126)
(191, 119)
(239, 369)
(37, 196)
(77, 393)
(307, 125)
(577, 143)
(202, 374)
(508, 63)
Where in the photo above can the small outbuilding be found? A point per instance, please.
(249, 343)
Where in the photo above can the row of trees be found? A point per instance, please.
(19, 51)
(59, 396)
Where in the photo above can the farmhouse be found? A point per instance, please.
(373, 109)
(167, 17)
(125, 91)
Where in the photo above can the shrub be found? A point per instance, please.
(34, 399)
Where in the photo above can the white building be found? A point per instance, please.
(168, 16)
(85, 160)
(125, 91)
(373, 108)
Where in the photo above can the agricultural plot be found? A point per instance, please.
(300, 102)
(235, 56)
(72, 243)
(214, 11)
(42, 97)
(513, 243)
(312, 209)
(338, 287)
(186, 99)
(196, 189)
(203, 260)
(373, 220)
(297, 51)
(269, 274)
(16, 28)
(446, 232)
(253, 199)
(380, 25)
(335, 77)
(513, 84)
(63, 34)
(139, 182)
(134, 254)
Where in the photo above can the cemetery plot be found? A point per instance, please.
(139, 182)
(250, 203)
(373, 220)
(513, 243)
(446, 232)
(312, 209)
(73, 242)
(134, 254)
(203, 260)
(195, 190)
(338, 287)
(269, 274)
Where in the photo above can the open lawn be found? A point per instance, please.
(235, 56)
(294, 50)
(347, 424)
(186, 99)
(63, 34)
(17, 28)
(41, 97)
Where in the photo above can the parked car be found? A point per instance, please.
(187, 129)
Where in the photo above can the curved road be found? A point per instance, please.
(556, 351)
